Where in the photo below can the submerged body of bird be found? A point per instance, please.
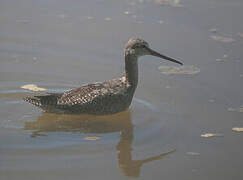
(101, 98)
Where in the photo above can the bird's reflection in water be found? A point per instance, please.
(120, 122)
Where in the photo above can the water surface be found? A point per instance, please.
(59, 45)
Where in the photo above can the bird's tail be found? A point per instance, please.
(43, 100)
(33, 100)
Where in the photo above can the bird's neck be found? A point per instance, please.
(131, 70)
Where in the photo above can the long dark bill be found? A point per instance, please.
(154, 53)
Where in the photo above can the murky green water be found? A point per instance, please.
(61, 44)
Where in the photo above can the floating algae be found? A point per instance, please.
(213, 30)
(211, 100)
(222, 39)
(92, 138)
(225, 57)
(107, 19)
(63, 16)
(237, 129)
(241, 35)
(240, 109)
(220, 60)
(32, 87)
(127, 12)
(209, 135)
(23, 20)
(90, 17)
(174, 70)
(193, 153)
(173, 3)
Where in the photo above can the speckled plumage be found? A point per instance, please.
(100, 98)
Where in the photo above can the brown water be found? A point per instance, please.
(62, 44)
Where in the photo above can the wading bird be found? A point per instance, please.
(101, 98)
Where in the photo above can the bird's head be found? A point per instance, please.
(138, 47)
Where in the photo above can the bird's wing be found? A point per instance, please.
(83, 95)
